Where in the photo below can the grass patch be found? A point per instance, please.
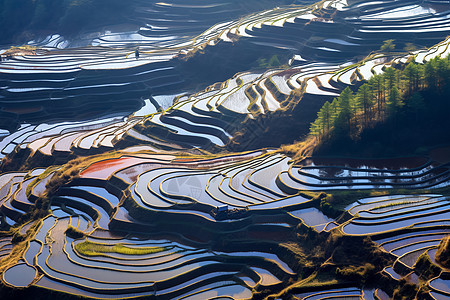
(38, 179)
(395, 204)
(96, 249)
(299, 150)
(359, 273)
(20, 242)
(425, 268)
(443, 252)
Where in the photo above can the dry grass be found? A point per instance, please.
(20, 246)
(301, 149)
(443, 252)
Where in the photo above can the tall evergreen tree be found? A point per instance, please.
(326, 117)
(364, 96)
(442, 71)
(430, 74)
(388, 46)
(316, 128)
(395, 102)
(343, 123)
(412, 75)
(334, 108)
(337, 118)
(377, 86)
(416, 104)
(390, 75)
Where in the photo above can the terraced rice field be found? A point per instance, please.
(171, 269)
(145, 197)
(408, 227)
(115, 199)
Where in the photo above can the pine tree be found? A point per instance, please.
(343, 123)
(336, 118)
(390, 75)
(364, 96)
(395, 101)
(377, 86)
(430, 74)
(442, 71)
(321, 127)
(326, 117)
(334, 108)
(416, 104)
(316, 128)
(388, 46)
(412, 75)
(409, 47)
(354, 108)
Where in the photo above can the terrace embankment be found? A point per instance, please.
(283, 126)
(154, 221)
(158, 207)
(318, 257)
(219, 62)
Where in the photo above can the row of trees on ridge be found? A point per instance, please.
(383, 96)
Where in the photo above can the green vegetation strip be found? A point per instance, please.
(96, 249)
(416, 92)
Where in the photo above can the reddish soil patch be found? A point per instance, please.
(103, 169)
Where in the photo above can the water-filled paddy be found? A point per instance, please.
(230, 222)
(20, 275)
